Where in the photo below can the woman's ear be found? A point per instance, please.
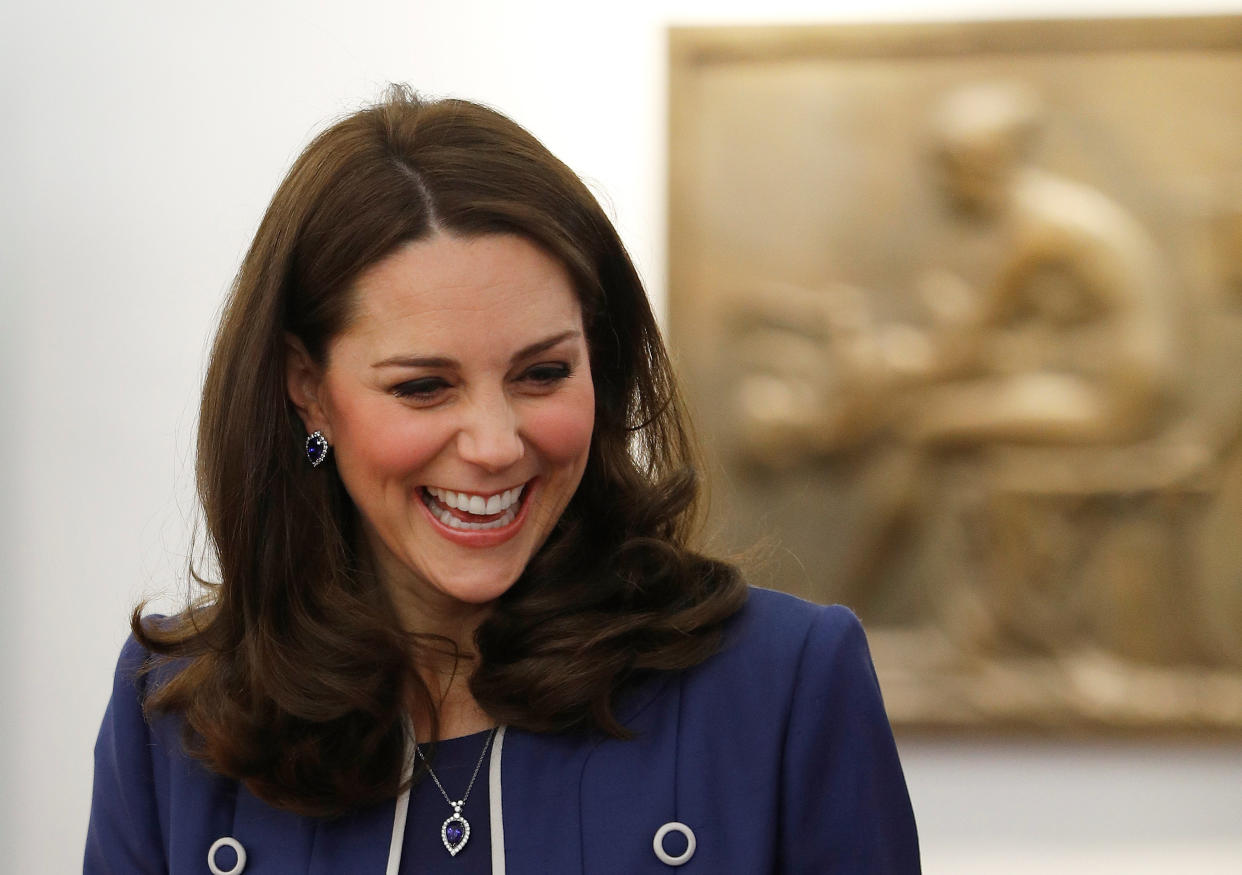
(303, 382)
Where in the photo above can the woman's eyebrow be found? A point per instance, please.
(543, 345)
(414, 361)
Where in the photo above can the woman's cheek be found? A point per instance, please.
(562, 432)
(386, 437)
(406, 445)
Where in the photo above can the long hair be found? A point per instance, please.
(292, 673)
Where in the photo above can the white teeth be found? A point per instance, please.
(476, 504)
(454, 523)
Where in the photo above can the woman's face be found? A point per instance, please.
(459, 406)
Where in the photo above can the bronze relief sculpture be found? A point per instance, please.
(960, 309)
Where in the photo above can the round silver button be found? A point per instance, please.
(226, 842)
(665, 856)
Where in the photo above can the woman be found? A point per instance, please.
(458, 627)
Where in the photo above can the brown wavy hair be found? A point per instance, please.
(292, 674)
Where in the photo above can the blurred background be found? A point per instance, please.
(142, 143)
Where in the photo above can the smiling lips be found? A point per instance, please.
(473, 513)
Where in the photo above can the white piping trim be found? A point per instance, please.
(495, 805)
(403, 803)
(398, 833)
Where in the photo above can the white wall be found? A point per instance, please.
(140, 145)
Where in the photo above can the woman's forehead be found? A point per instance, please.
(447, 290)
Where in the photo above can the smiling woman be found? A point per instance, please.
(447, 479)
(460, 406)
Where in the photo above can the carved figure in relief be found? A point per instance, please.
(1066, 347)
(1071, 340)
(1069, 343)
(967, 351)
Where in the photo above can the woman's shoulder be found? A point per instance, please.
(793, 689)
(784, 627)
(138, 667)
(133, 667)
(782, 610)
(778, 648)
(134, 758)
(153, 805)
(139, 673)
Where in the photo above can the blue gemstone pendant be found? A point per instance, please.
(316, 449)
(456, 831)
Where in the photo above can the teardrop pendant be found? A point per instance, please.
(455, 832)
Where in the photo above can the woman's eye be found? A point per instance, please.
(547, 374)
(421, 389)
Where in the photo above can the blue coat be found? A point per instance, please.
(776, 753)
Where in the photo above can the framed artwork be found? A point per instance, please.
(958, 310)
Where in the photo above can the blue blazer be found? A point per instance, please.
(776, 753)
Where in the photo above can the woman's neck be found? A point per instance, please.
(457, 711)
(445, 657)
(443, 651)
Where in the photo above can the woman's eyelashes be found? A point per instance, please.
(547, 374)
(422, 389)
(542, 377)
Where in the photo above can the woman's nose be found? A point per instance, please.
(490, 436)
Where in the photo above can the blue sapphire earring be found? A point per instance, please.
(316, 449)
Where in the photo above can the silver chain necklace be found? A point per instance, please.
(455, 831)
